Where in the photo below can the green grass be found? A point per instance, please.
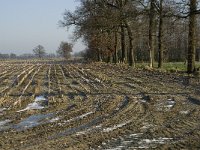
(169, 66)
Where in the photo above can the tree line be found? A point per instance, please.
(131, 31)
(64, 50)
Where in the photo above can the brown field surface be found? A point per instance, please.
(58, 105)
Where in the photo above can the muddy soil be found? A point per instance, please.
(53, 105)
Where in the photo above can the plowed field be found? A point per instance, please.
(56, 105)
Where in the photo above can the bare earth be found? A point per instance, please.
(52, 105)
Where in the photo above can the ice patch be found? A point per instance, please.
(40, 102)
(33, 121)
(2, 123)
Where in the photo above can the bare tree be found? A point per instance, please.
(119, 30)
(152, 24)
(39, 51)
(65, 50)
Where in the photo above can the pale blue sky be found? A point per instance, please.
(24, 24)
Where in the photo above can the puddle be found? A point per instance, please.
(33, 121)
(40, 102)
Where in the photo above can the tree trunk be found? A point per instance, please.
(110, 58)
(197, 54)
(99, 56)
(131, 50)
(160, 36)
(151, 33)
(123, 44)
(192, 37)
(115, 48)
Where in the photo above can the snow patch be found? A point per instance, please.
(166, 106)
(185, 112)
(54, 119)
(116, 127)
(152, 142)
(80, 117)
(88, 130)
(159, 140)
(136, 135)
(40, 102)
(147, 126)
(1, 110)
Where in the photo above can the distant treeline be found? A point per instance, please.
(24, 56)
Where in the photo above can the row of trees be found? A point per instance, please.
(64, 50)
(138, 30)
(39, 51)
(8, 56)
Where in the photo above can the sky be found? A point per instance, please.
(24, 24)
